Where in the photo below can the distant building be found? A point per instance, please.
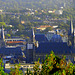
(43, 27)
(50, 11)
(12, 31)
(30, 13)
(22, 22)
(59, 12)
(9, 25)
(1, 11)
(55, 26)
(9, 50)
(15, 42)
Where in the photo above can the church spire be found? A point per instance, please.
(33, 35)
(71, 27)
(2, 33)
(71, 35)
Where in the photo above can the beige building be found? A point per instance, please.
(43, 27)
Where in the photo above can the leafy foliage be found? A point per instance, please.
(54, 65)
(2, 68)
(28, 72)
(21, 4)
(16, 71)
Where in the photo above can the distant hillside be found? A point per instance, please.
(19, 4)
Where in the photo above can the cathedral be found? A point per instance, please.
(40, 46)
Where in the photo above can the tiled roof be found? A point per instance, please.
(45, 26)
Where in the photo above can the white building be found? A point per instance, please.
(59, 12)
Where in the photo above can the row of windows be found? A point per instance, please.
(14, 40)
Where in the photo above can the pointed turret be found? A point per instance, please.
(33, 35)
(71, 35)
(2, 33)
(71, 27)
(2, 39)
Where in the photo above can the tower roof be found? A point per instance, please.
(2, 33)
(40, 38)
(33, 35)
(71, 27)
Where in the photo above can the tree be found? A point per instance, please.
(47, 29)
(14, 22)
(63, 25)
(2, 24)
(1, 18)
(22, 36)
(8, 35)
(16, 71)
(53, 65)
(28, 72)
(20, 27)
(2, 68)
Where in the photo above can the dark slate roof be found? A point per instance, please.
(56, 37)
(56, 47)
(6, 51)
(40, 38)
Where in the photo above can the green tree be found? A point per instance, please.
(2, 24)
(53, 65)
(20, 27)
(8, 35)
(22, 36)
(2, 68)
(28, 72)
(47, 29)
(36, 68)
(1, 18)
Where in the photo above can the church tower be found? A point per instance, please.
(33, 35)
(2, 33)
(30, 47)
(71, 35)
(2, 43)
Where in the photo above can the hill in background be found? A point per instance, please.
(21, 4)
